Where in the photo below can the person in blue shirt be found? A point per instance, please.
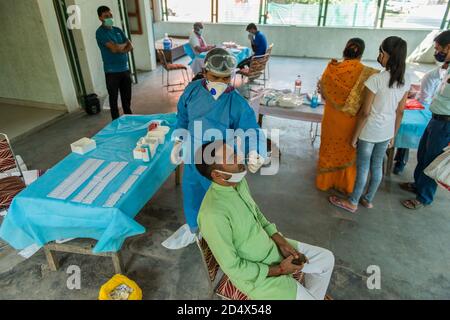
(114, 47)
(209, 107)
(258, 41)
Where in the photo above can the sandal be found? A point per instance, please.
(366, 204)
(408, 186)
(413, 204)
(340, 204)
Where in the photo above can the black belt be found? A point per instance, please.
(441, 117)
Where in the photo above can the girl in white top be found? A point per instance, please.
(378, 122)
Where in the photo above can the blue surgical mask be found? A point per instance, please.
(235, 177)
(109, 22)
(200, 31)
(440, 56)
(216, 88)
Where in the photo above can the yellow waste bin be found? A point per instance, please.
(120, 287)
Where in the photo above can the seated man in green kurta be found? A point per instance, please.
(249, 249)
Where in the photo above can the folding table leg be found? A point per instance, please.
(117, 262)
(390, 161)
(51, 259)
(178, 176)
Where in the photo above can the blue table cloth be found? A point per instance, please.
(412, 128)
(35, 218)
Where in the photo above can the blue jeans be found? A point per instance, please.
(369, 157)
(435, 138)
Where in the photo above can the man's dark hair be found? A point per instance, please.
(443, 39)
(204, 168)
(355, 48)
(102, 9)
(251, 26)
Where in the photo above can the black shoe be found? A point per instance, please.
(398, 168)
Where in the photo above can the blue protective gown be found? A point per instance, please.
(230, 111)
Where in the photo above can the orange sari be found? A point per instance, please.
(342, 85)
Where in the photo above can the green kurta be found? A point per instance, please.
(239, 236)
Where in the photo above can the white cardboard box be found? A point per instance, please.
(83, 146)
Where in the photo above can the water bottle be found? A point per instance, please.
(298, 86)
(315, 100)
(167, 42)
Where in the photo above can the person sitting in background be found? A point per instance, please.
(428, 87)
(259, 44)
(258, 260)
(342, 87)
(378, 122)
(197, 41)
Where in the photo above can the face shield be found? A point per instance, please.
(221, 64)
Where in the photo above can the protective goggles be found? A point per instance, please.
(221, 62)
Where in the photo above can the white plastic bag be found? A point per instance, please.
(439, 169)
(182, 238)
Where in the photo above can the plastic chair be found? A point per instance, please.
(255, 71)
(172, 67)
(267, 70)
(225, 288)
(190, 52)
(10, 183)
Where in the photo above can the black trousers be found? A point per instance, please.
(245, 62)
(115, 82)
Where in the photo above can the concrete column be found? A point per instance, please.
(144, 44)
(59, 55)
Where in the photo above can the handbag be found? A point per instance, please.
(439, 169)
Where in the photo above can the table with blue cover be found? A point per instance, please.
(35, 218)
(413, 126)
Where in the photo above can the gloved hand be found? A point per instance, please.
(175, 156)
(255, 161)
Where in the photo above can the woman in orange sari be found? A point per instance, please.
(341, 86)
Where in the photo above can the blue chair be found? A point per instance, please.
(191, 53)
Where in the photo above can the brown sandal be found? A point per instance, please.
(366, 204)
(413, 204)
(408, 186)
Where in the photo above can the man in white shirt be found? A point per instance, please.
(197, 41)
(428, 87)
(437, 134)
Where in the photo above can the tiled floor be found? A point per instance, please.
(411, 248)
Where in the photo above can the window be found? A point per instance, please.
(239, 11)
(414, 14)
(134, 16)
(187, 10)
(350, 13)
(294, 12)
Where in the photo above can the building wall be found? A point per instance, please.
(144, 44)
(86, 43)
(294, 41)
(27, 69)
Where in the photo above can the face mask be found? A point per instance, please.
(216, 88)
(440, 56)
(200, 31)
(235, 177)
(109, 22)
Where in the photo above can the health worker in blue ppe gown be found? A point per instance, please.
(215, 104)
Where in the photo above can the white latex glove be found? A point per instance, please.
(255, 161)
(175, 157)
